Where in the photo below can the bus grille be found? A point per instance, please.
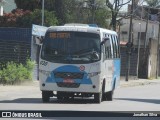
(68, 85)
(71, 75)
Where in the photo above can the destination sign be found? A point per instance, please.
(62, 35)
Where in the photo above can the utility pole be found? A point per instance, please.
(93, 9)
(42, 12)
(139, 38)
(145, 41)
(129, 44)
(157, 72)
(139, 44)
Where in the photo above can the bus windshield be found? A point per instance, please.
(71, 47)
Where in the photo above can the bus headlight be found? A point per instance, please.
(47, 73)
(93, 74)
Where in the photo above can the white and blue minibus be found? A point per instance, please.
(78, 60)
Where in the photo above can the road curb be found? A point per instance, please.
(139, 82)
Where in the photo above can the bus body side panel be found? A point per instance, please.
(106, 73)
(116, 73)
(111, 73)
(110, 66)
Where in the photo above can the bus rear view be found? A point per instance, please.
(71, 64)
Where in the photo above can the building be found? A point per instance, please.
(139, 31)
(145, 39)
(9, 6)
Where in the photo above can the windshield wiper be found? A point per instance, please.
(81, 59)
(76, 58)
(83, 51)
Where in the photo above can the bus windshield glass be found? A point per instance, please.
(71, 47)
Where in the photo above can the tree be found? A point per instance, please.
(28, 4)
(87, 12)
(67, 11)
(60, 7)
(115, 6)
(60, 10)
(64, 9)
(153, 3)
(25, 18)
(98, 10)
(9, 19)
(101, 16)
(35, 18)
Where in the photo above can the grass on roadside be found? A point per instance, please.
(15, 73)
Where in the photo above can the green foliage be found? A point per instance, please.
(21, 18)
(101, 16)
(59, 6)
(28, 4)
(65, 11)
(10, 19)
(153, 3)
(16, 73)
(36, 18)
(78, 13)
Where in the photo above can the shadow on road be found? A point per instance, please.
(52, 101)
(155, 101)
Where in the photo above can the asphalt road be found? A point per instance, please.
(28, 97)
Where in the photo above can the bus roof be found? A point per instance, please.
(80, 28)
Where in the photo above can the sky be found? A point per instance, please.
(9, 6)
(125, 7)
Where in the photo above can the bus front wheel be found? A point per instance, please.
(98, 97)
(109, 95)
(46, 96)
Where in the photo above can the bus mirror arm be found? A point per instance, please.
(104, 40)
(39, 40)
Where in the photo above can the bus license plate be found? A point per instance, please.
(68, 81)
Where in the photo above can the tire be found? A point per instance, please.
(98, 97)
(109, 96)
(104, 98)
(46, 96)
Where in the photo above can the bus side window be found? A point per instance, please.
(111, 47)
(117, 46)
(113, 44)
(108, 52)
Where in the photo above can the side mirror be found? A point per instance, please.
(104, 40)
(39, 40)
(95, 56)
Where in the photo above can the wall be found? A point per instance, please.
(137, 27)
(133, 62)
(152, 60)
(15, 44)
(147, 59)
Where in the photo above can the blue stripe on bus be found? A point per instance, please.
(69, 68)
(116, 74)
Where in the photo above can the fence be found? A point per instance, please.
(15, 44)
